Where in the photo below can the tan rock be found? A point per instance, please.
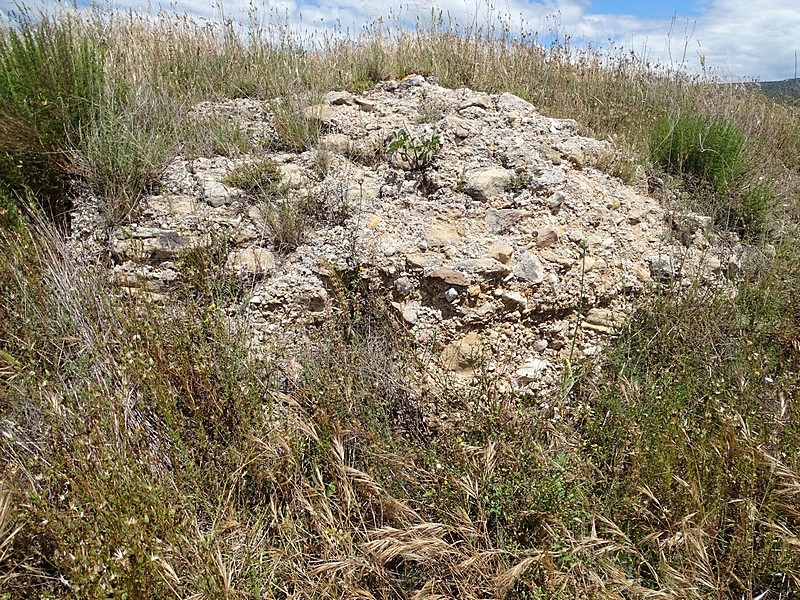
(546, 236)
(439, 236)
(502, 252)
(450, 277)
(463, 355)
(251, 261)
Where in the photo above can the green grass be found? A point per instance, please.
(147, 452)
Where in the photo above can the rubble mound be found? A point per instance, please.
(486, 226)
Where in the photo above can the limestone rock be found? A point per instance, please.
(479, 99)
(487, 183)
(529, 268)
(252, 260)
(507, 231)
(439, 236)
(546, 236)
(148, 244)
(339, 98)
(463, 354)
(322, 113)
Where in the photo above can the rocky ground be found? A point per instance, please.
(491, 232)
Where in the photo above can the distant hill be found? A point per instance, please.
(788, 89)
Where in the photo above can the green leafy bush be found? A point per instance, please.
(411, 152)
(706, 149)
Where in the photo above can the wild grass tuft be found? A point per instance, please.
(52, 82)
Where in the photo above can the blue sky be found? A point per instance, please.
(649, 9)
(735, 39)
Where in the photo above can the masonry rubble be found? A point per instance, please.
(511, 250)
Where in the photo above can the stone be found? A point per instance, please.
(403, 286)
(551, 154)
(503, 220)
(148, 244)
(502, 252)
(662, 268)
(508, 102)
(365, 105)
(335, 142)
(479, 99)
(576, 235)
(604, 320)
(417, 262)
(463, 354)
(410, 316)
(488, 267)
(714, 264)
(439, 236)
(291, 174)
(532, 370)
(529, 268)
(410, 81)
(458, 126)
(546, 236)
(322, 113)
(339, 98)
(514, 299)
(487, 183)
(540, 345)
(555, 201)
(216, 193)
(576, 157)
(251, 261)
(449, 277)
(451, 295)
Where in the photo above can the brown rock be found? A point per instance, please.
(502, 252)
(546, 236)
(449, 276)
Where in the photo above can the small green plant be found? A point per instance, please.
(286, 220)
(260, 179)
(295, 130)
(708, 150)
(413, 153)
(9, 214)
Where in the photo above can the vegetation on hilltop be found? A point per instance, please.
(146, 453)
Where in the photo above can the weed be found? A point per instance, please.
(707, 150)
(287, 221)
(430, 111)
(204, 276)
(295, 131)
(413, 153)
(259, 179)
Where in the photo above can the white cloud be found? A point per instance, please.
(737, 38)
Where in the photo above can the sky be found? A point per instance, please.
(737, 40)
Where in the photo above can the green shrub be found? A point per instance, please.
(705, 149)
(9, 214)
(51, 81)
